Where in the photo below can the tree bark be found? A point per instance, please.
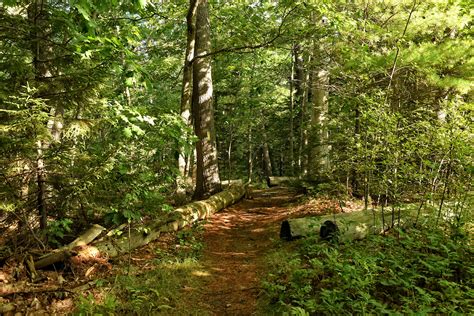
(292, 107)
(319, 153)
(229, 155)
(303, 144)
(353, 171)
(207, 177)
(267, 162)
(250, 156)
(38, 17)
(319, 138)
(186, 89)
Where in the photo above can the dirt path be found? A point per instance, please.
(236, 240)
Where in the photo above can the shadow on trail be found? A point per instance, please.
(236, 240)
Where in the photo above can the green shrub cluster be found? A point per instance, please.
(423, 271)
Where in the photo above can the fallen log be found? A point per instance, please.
(350, 226)
(228, 183)
(179, 218)
(63, 253)
(28, 288)
(280, 181)
(296, 228)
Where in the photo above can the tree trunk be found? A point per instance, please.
(353, 171)
(207, 177)
(319, 152)
(186, 90)
(40, 181)
(319, 138)
(303, 145)
(42, 52)
(292, 106)
(267, 162)
(250, 157)
(229, 157)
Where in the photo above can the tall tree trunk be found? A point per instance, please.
(319, 153)
(353, 172)
(42, 54)
(292, 106)
(207, 177)
(304, 90)
(250, 156)
(267, 162)
(40, 181)
(186, 90)
(299, 73)
(296, 94)
(229, 156)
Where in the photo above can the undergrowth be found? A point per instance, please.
(421, 271)
(175, 275)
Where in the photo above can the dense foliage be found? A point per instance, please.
(421, 271)
(369, 99)
(80, 87)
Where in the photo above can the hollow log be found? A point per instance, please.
(179, 218)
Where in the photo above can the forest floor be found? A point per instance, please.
(216, 268)
(235, 243)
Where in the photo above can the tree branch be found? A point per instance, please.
(398, 47)
(249, 47)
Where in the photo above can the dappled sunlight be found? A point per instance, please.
(235, 240)
(233, 254)
(201, 273)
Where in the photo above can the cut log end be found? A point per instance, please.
(329, 231)
(345, 229)
(285, 232)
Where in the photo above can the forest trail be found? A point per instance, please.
(235, 242)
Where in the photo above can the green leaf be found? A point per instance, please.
(142, 3)
(9, 3)
(127, 131)
(85, 12)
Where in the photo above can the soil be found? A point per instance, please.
(236, 240)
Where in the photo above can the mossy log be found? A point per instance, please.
(179, 218)
(353, 225)
(296, 228)
(227, 183)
